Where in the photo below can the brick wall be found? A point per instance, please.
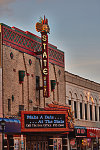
(0, 140)
(0, 92)
(26, 93)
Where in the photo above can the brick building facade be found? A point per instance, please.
(18, 54)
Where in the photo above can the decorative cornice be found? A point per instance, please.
(29, 43)
(80, 81)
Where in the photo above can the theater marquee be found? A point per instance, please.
(44, 121)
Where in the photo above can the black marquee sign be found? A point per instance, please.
(44, 121)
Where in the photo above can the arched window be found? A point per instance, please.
(81, 99)
(90, 112)
(91, 106)
(99, 113)
(75, 106)
(95, 109)
(69, 98)
(86, 107)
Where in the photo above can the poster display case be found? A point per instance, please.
(16, 143)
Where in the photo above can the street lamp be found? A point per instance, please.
(2, 123)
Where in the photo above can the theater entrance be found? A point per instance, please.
(36, 142)
(46, 143)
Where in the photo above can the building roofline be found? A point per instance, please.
(31, 35)
(80, 81)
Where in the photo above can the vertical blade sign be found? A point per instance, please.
(45, 64)
(43, 27)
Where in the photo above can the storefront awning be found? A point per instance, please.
(93, 132)
(11, 125)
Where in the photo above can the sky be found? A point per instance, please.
(74, 29)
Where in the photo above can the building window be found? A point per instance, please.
(80, 110)
(90, 112)
(9, 104)
(37, 82)
(85, 111)
(75, 109)
(41, 109)
(95, 113)
(21, 108)
(35, 108)
(69, 102)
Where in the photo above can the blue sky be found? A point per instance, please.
(74, 29)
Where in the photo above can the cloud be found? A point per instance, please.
(86, 63)
(40, 1)
(5, 2)
(4, 7)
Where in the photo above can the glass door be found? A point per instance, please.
(55, 144)
(37, 145)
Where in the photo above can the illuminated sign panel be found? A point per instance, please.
(43, 27)
(45, 64)
(80, 131)
(44, 121)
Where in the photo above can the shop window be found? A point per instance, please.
(19, 142)
(75, 109)
(95, 113)
(5, 144)
(85, 111)
(50, 142)
(99, 113)
(21, 108)
(9, 104)
(73, 145)
(11, 142)
(64, 142)
(80, 110)
(37, 82)
(69, 102)
(90, 112)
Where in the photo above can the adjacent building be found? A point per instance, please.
(83, 96)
